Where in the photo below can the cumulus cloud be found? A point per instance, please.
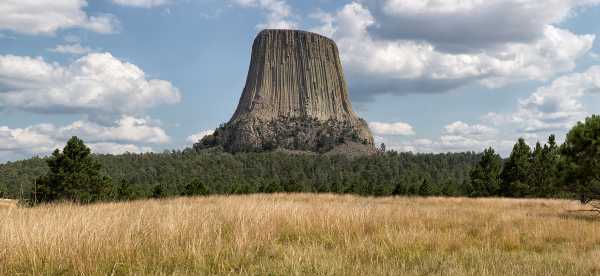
(97, 83)
(128, 134)
(462, 129)
(198, 136)
(113, 148)
(555, 107)
(142, 3)
(125, 130)
(398, 128)
(278, 12)
(75, 49)
(401, 64)
(48, 16)
(26, 139)
(460, 25)
(456, 137)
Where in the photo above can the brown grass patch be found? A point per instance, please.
(7, 203)
(302, 234)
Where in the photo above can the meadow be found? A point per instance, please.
(302, 234)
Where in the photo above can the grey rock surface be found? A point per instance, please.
(296, 98)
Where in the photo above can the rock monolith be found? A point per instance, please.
(295, 98)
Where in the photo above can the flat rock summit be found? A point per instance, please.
(295, 98)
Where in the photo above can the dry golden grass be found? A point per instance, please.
(7, 203)
(303, 234)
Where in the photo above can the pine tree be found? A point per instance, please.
(485, 177)
(74, 175)
(537, 175)
(158, 191)
(516, 171)
(196, 187)
(551, 163)
(425, 189)
(581, 151)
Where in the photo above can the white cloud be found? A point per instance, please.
(26, 139)
(48, 16)
(461, 128)
(385, 64)
(470, 24)
(278, 13)
(113, 148)
(456, 137)
(75, 49)
(198, 136)
(556, 107)
(127, 134)
(142, 3)
(96, 84)
(126, 129)
(398, 128)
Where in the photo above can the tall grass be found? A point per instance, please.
(302, 234)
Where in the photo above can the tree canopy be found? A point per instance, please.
(73, 175)
(581, 151)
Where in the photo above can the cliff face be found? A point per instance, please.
(295, 98)
(295, 74)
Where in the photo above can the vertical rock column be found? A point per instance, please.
(295, 80)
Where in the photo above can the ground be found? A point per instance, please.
(303, 234)
(7, 203)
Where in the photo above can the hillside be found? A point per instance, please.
(302, 234)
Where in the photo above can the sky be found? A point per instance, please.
(428, 75)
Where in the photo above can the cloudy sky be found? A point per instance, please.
(428, 75)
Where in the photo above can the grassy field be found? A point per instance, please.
(7, 203)
(303, 234)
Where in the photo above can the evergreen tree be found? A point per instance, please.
(581, 151)
(551, 168)
(196, 187)
(544, 174)
(425, 189)
(74, 175)
(537, 175)
(124, 191)
(515, 174)
(485, 177)
(158, 191)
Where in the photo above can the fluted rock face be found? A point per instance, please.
(295, 97)
(295, 74)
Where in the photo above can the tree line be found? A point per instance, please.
(571, 169)
(75, 174)
(204, 172)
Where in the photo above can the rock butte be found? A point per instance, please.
(295, 98)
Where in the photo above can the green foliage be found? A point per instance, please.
(74, 176)
(581, 151)
(515, 173)
(195, 188)
(425, 189)
(168, 174)
(546, 171)
(125, 190)
(158, 191)
(485, 177)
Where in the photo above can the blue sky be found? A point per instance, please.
(428, 75)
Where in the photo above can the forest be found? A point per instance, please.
(543, 171)
(217, 172)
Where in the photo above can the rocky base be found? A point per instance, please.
(302, 134)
